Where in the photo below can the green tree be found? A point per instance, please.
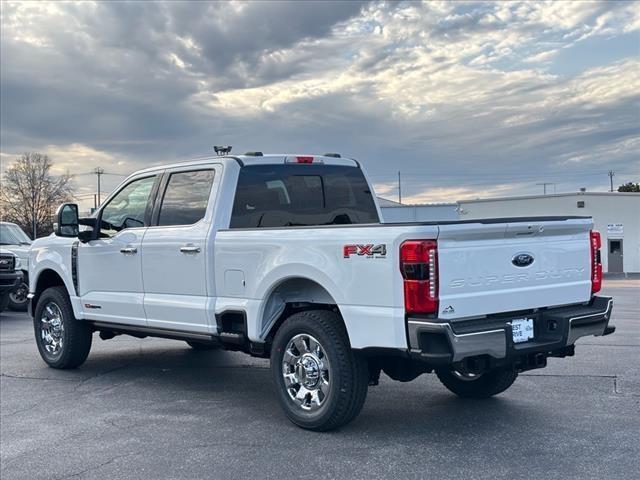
(29, 194)
(629, 187)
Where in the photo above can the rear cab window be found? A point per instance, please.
(186, 197)
(302, 195)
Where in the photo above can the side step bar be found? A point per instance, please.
(229, 340)
(141, 332)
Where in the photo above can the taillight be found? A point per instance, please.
(596, 262)
(419, 267)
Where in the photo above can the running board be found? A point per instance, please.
(229, 339)
(140, 331)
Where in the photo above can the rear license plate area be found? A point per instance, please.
(522, 330)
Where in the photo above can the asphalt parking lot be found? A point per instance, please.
(157, 409)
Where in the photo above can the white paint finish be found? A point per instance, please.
(175, 262)
(477, 276)
(605, 208)
(179, 312)
(170, 273)
(112, 279)
(234, 283)
(52, 253)
(361, 287)
(375, 326)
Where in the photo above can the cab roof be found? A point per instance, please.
(264, 159)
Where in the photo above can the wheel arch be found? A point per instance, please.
(44, 279)
(290, 295)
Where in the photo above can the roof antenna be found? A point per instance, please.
(222, 150)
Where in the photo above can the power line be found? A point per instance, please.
(103, 173)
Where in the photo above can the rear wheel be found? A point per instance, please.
(481, 385)
(320, 381)
(63, 341)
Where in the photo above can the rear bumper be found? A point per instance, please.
(490, 339)
(10, 281)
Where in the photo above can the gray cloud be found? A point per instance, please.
(448, 93)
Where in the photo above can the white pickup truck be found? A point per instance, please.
(284, 256)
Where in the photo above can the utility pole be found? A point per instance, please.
(399, 188)
(99, 171)
(544, 186)
(611, 174)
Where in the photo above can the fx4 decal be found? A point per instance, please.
(369, 250)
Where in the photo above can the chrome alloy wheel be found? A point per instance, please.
(51, 328)
(306, 372)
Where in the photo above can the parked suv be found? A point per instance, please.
(284, 256)
(10, 276)
(13, 238)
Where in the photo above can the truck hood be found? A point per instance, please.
(20, 251)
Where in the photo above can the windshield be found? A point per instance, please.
(13, 235)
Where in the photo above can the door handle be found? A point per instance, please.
(190, 249)
(129, 250)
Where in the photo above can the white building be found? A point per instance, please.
(394, 212)
(616, 216)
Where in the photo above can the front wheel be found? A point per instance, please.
(320, 381)
(18, 297)
(63, 341)
(481, 385)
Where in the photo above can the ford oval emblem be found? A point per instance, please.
(522, 259)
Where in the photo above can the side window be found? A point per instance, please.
(127, 208)
(186, 197)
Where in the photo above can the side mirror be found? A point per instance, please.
(67, 220)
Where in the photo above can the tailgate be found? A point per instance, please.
(487, 268)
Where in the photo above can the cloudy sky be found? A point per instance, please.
(466, 99)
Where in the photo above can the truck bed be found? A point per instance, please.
(476, 276)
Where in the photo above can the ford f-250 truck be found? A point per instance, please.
(284, 256)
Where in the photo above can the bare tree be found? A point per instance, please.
(29, 194)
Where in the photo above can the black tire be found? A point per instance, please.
(484, 385)
(202, 346)
(75, 335)
(347, 374)
(4, 301)
(18, 303)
